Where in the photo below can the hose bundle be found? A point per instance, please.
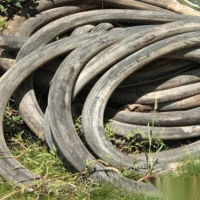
(147, 55)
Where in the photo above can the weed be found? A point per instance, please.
(57, 181)
(3, 22)
(78, 125)
(189, 166)
(110, 132)
(132, 143)
(10, 3)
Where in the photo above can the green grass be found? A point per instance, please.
(58, 181)
(188, 167)
(130, 144)
(3, 23)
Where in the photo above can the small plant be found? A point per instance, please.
(78, 125)
(10, 3)
(3, 23)
(110, 132)
(189, 165)
(159, 145)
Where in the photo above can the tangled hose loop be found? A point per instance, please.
(120, 56)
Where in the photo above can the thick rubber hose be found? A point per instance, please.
(11, 42)
(29, 117)
(152, 74)
(129, 4)
(184, 104)
(92, 69)
(77, 31)
(72, 67)
(36, 111)
(36, 7)
(173, 5)
(189, 53)
(20, 72)
(184, 78)
(166, 119)
(163, 133)
(96, 16)
(92, 118)
(102, 27)
(130, 95)
(82, 29)
(67, 141)
(122, 180)
(33, 116)
(23, 68)
(73, 21)
(28, 28)
(31, 25)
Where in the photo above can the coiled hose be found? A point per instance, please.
(92, 46)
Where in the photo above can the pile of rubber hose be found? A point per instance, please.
(134, 61)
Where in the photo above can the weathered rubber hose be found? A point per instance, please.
(163, 133)
(47, 128)
(69, 23)
(189, 53)
(21, 70)
(36, 113)
(36, 7)
(187, 103)
(102, 27)
(82, 29)
(92, 118)
(29, 120)
(78, 31)
(172, 5)
(120, 179)
(31, 25)
(152, 74)
(130, 95)
(166, 119)
(58, 120)
(92, 69)
(184, 104)
(129, 4)
(181, 79)
(174, 155)
(58, 88)
(67, 141)
(14, 43)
